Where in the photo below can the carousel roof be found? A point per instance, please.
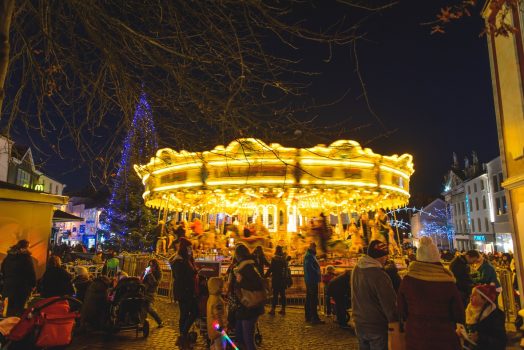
(342, 176)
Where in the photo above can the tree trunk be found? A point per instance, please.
(6, 13)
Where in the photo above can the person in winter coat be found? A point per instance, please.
(485, 273)
(185, 273)
(373, 298)
(56, 281)
(111, 266)
(340, 290)
(260, 260)
(278, 271)
(81, 282)
(429, 302)
(151, 280)
(485, 322)
(216, 313)
(312, 279)
(326, 278)
(19, 277)
(94, 308)
(461, 270)
(246, 277)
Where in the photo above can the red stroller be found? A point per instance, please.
(48, 323)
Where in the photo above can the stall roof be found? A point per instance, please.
(11, 192)
(62, 216)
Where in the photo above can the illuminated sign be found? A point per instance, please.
(39, 187)
(479, 238)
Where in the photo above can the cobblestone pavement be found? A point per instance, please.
(278, 332)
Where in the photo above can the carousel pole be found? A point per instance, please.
(398, 235)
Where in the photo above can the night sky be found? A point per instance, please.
(434, 90)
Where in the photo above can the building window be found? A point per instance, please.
(462, 206)
(486, 223)
(504, 205)
(501, 180)
(470, 205)
(473, 225)
(477, 203)
(483, 202)
(469, 190)
(495, 183)
(475, 187)
(482, 185)
(499, 210)
(478, 225)
(23, 178)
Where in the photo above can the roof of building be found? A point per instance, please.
(18, 193)
(18, 151)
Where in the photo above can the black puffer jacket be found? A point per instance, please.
(460, 268)
(492, 332)
(278, 272)
(18, 272)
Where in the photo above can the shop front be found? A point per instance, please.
(484, 243)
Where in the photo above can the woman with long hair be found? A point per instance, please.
(56, 281)
(246, 278)
(185, 273)
(260, 260)
(151, 279)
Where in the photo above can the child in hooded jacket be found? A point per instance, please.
(485, 322)
(216, 313)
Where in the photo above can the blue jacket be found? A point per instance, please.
(311, 268)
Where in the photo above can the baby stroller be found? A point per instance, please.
(231, 324)
(48, 323)
(127, 310)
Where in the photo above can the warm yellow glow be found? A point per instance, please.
(173, 187)
(177, 167)
(341, 176)
(398, 172)
(347, 163)
(254, 181)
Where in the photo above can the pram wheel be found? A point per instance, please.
(258, 339)
(145, 329)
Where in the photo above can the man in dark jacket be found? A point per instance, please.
(19, 277)
(278, 272)
(312, 279)
(460, 268)
(340, 290)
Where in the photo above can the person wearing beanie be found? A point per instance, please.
(429, 302)
(373, 298)
(184, 290)
(81, 282)
(485, 328)
(216, 313)
(278, 270)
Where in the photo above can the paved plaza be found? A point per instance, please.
(279, 332)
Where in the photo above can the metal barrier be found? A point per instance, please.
(135, 265)
(507, 297)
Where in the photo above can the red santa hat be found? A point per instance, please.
(488, 292)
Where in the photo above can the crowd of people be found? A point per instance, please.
(436, 307)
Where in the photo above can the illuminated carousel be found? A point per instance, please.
(274, 188)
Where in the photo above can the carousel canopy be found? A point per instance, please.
(341, 177)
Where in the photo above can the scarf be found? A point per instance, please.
(475, 314)
(430, 272)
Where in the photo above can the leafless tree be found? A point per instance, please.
(213, 70)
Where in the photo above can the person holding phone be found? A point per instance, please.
(151, 279)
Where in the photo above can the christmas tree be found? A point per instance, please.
(127, 220)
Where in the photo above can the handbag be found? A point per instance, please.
(252, 298)
(396, 336)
